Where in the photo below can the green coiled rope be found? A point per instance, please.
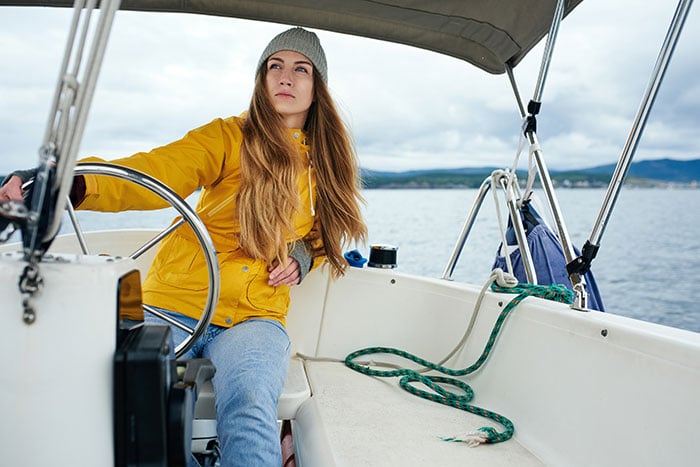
(441, 395)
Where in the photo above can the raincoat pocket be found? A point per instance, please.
(272, 301)
(183, 266)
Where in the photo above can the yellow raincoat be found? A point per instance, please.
(206, 157)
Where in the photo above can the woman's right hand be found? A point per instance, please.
(12, 190)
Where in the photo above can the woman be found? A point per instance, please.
(282, 177)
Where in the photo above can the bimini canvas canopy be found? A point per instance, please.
(486, 33)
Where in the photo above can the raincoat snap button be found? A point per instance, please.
(245, 268)
(296, 134)
(229, 321)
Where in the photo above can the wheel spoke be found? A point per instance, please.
(76, 227)
(164, 317)
(156, 240)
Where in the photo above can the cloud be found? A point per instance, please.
(407, 108)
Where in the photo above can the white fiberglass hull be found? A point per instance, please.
(581, 388)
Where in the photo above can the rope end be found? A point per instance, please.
(473, 439)
(476, 438)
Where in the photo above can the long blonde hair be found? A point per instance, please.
(270, 167)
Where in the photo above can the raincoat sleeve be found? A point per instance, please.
(194, 161)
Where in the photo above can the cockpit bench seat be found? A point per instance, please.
(296, 391)
(355, 419)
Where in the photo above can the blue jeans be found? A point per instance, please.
(251, 360)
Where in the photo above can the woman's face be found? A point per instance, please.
(290, 85)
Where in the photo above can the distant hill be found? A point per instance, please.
(667, 170)
(651, 173)
(648, 173)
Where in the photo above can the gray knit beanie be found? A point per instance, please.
(298, 40)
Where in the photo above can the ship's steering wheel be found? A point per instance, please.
(189, 217)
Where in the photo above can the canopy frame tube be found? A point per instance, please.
(582, 263)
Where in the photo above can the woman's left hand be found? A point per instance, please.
(284, 274)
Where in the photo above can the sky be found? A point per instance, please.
(408, 109)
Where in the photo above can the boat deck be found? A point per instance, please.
(353, 419)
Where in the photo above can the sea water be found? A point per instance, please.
(646, 266)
